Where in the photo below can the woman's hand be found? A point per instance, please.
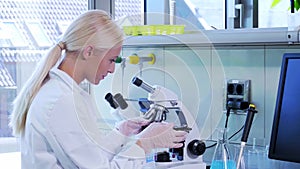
(160, 135)
(132, 126)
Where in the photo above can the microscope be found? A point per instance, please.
(162, 105)
(159, 105)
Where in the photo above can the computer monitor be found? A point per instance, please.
(285, 136)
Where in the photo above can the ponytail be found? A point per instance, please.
(23, 100)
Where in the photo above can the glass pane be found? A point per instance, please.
(28, 28)
(209, 12)
(213, 12)
(273, 17)
(129, 9)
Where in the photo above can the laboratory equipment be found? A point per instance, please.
(110, 99)
(237, 92)
(252, 156)
(159, 103)
(257, 156)
(116, 101)
(240, 105)
(286, 124)
(119, 105)
(250, 115)
(222, 158)
(135, 59)
(120, 100)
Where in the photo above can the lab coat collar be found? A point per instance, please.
(69, 81)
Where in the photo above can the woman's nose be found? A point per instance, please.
(112, 68)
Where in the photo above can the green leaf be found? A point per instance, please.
(297, 5)
(274, 3)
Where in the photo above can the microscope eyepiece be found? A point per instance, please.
(136, 81)
(109, 98)
(120, 101)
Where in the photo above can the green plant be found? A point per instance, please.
(296, 3)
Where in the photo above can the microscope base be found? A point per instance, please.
(175, 165)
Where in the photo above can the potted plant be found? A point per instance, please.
(293, 16)
(296, 4)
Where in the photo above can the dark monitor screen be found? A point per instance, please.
(285, 136)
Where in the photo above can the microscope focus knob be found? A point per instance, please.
(196, 147)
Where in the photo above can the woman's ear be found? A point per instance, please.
(88, 52)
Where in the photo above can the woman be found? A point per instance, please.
(56, 119)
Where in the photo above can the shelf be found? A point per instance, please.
(255, 36)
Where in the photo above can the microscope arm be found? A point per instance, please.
(183, 123)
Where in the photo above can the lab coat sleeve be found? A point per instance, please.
(81, 149)
(120, 146)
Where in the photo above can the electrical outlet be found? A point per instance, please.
(237, 95)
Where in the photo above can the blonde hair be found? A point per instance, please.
(93, 27)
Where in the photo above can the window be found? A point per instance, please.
(128, 12)
(30, 27)
(213, 12)
(205, 14)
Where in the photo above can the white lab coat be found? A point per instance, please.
(61, 131)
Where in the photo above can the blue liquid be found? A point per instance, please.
(149, 158)
(218, 164)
